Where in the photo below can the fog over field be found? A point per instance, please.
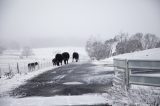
(80, 52)
(48, 23)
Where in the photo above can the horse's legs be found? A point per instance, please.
(61, 62)
(57, 63)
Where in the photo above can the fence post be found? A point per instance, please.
(18, 68)
(0, 73)
(10, 74)
(9, 68)
(127, 76)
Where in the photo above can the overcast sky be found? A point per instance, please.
(44, 23)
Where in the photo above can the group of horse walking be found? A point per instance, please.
(59, 58)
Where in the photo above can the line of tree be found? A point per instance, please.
(120, 44)
(25, 51)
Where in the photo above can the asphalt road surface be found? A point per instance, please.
(68, 79)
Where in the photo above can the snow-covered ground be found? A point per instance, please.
(137, 95)
(44, 56)
(19, 79)
(116, 96)
(87, 99)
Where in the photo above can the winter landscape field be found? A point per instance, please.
(44, 56)
(113, 95)
(79, 53)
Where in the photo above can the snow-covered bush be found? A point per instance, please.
(128, 46)
(149, 41)
(96, 50)
(109, 45)
(121, 47)
(136, 96)
(120, 44)
(158, 45)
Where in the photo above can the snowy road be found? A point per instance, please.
(71, 79)
(79, 83)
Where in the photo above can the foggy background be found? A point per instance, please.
(53, 23)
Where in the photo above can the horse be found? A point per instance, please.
(75, 56)
(59, 59)
(54, 61)
(65, 57)
(32, 66)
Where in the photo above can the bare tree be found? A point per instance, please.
(137, 36)
(121, 47)
(158, 45)
(133, 45)
(121, 37)
(96, 49)
(27, 51)
(149, 41)
(99, 50)
(109, 47)
(89, 47)
(121, 44)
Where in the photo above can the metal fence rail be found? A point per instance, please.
(129, 77)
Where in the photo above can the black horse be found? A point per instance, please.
(54, 61)
(59, 59)
(75, 56)
(32, 66)
(65, 57)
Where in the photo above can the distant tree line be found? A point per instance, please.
(25, 51)
(120, 44)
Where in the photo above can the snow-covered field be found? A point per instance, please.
(116, 96)
(44, 56)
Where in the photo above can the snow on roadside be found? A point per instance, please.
(151, 54)
(99, 75)
(19, 79)
(87, 99)
(108, 61)
(137, 95)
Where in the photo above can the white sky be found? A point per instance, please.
(72, 22)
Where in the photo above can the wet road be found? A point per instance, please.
(71, 79)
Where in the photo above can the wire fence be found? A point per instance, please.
(10, 69)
